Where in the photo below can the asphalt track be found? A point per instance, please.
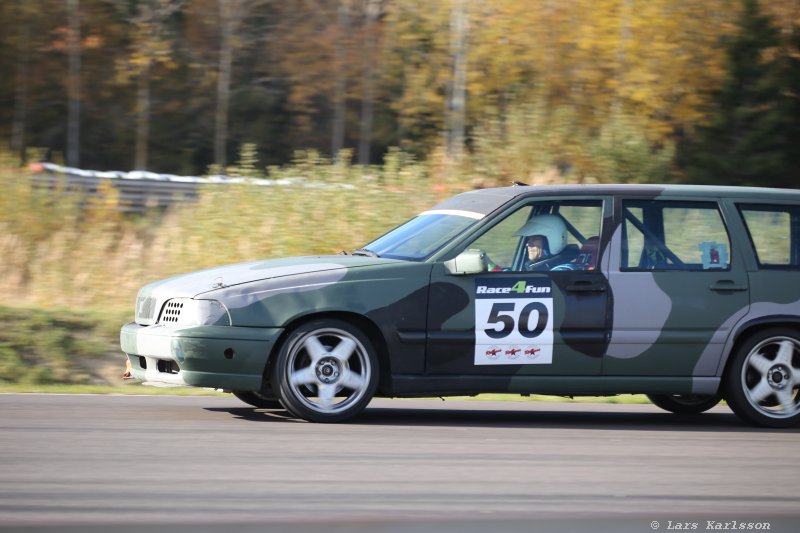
(78, 463)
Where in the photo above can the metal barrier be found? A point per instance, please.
(141, 190)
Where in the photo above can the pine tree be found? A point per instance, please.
(745, 142)
(789, 113)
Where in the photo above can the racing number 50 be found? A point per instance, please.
(523, 326)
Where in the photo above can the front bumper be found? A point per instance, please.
(220, 357)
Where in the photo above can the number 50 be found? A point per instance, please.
(497, 316)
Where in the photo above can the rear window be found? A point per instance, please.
(774, 232)
(672, 235)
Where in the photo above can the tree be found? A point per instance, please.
(457, 87)
(150, 47)
(21, 80)
(417, 68)
(74, 83)
(372, 12)
(744, 142)
(232, 14)
(340, 91)
(788, 112)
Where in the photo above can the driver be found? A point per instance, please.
(545, 242)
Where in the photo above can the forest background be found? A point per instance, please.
(389, 105)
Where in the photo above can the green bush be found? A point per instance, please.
(40, 347)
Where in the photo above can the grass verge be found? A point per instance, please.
(130, 389)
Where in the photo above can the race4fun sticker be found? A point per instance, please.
(513, 321)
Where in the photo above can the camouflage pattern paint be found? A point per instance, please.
(667, 332)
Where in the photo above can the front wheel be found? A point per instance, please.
(685, 404)
(763, 380)
(325, 371)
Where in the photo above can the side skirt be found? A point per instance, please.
(418, 385)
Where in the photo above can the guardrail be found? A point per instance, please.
(141, 190)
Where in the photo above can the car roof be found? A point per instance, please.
(641, 189)
(485, 200)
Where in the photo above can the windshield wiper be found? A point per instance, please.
(365, 252)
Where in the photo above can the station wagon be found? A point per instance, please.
(688, 294)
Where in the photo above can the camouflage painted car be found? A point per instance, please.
(685, 293)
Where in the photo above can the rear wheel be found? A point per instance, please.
(259, 400)
(763, 379)
(685, 404)
(326, 371)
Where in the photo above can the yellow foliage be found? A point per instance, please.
(89, 255)
(658, 60)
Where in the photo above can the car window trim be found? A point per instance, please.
(652, 236)
(606, 204)
(685, 202)
(793, 210)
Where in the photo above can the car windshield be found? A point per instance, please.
(423, 235)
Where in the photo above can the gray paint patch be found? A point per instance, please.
(711, 362)
(641, 308)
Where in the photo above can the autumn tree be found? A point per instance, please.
(150, 47)
(73, 83)
(605, 82)
(372, 10)
(25, 17)
(232, 14)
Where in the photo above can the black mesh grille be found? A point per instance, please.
(172, 312)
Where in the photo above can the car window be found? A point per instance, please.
(665, 235)
(578, 221)
(500, 243)
(774, 232)
(421, 236)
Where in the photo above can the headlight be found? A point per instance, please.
(190, 312)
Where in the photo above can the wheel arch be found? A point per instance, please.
(367, 326)
(750, 328)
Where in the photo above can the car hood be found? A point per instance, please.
(225, 279)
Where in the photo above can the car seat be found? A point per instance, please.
(587, 257)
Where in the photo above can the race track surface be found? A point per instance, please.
(199, 464)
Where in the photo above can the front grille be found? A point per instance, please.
(145, 308)
(172, 312)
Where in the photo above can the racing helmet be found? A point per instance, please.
(551, 227)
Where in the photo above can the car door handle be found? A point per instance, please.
(727, 285)
(586, 286)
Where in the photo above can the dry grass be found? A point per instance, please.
(56, 253)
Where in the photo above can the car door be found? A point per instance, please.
(677, 285)
(506, 320)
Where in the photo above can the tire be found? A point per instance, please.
(259, 400)
(763, 377)
(325, 371)
(685, 404)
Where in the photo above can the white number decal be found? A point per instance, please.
(512, 326)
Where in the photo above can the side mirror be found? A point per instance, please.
(467, 262)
